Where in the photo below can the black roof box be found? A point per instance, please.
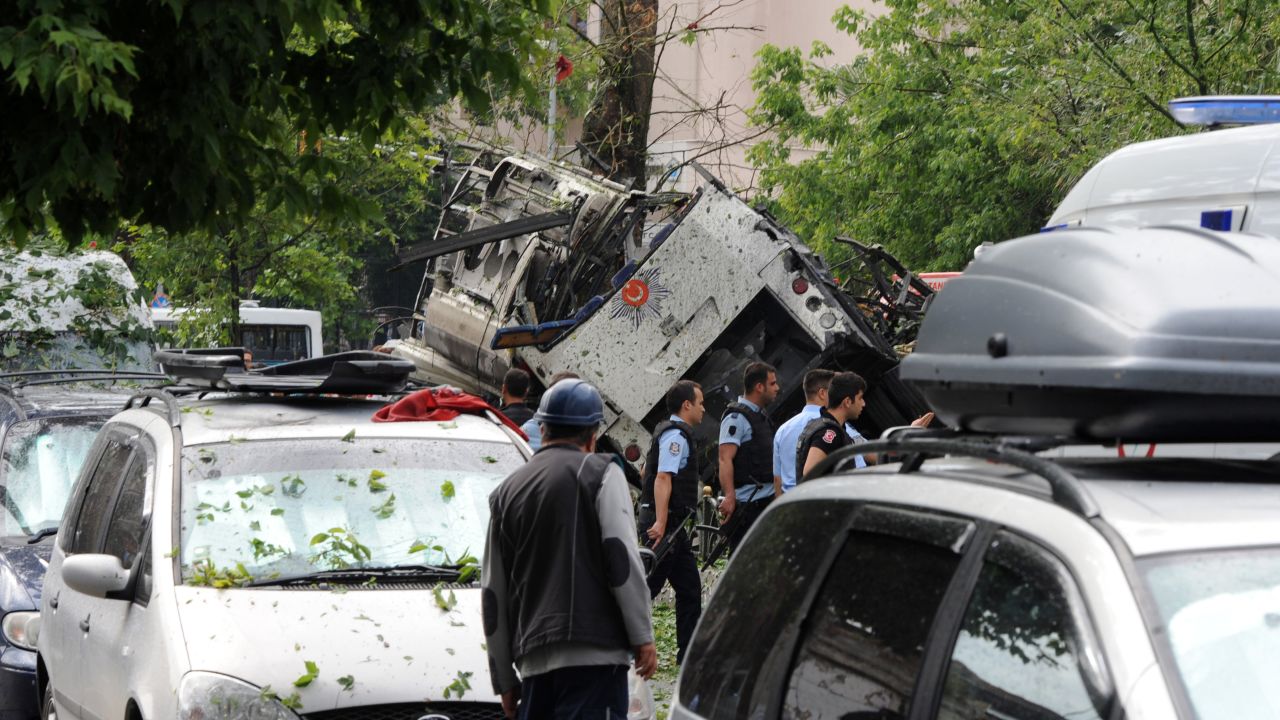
(1154, 334)
(359, 372)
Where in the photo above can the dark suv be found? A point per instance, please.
(977, 578)
(48, 421)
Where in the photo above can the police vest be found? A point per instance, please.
(684, 484)
(820, 424)
(753, 463)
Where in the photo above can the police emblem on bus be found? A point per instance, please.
(640, 297)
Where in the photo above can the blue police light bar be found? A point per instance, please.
(1226, 110)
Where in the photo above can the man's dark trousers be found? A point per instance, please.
(744, 516)
(589, 692)
(680, 567)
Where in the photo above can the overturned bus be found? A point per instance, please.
(546, 267)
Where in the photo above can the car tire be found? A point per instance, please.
(47, 709)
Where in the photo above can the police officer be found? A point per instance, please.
(826, 433)
(564, 597)
(823, 436)
(746, 452)
(670, 491)
(817, 383)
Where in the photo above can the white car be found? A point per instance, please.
(253, 557)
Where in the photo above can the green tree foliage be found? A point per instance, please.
(184, 114)
(968, 120)
(315, 261)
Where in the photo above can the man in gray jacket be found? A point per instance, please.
(565, 601)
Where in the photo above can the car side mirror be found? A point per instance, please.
(95, 575)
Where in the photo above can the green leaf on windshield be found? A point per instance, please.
(246, 494)
(319, 538)
(446, 490)
(277, 511)
(293, 485)
(418, 546)
(350, 437)
(347, 682)
(255, 526)
(375, 481)
(313, 671)
(386, 509)
(489, 459)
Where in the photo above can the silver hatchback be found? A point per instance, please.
(1002, 585)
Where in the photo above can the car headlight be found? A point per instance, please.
(209, 696)
(14, 626)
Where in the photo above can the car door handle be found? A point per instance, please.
(84, 624)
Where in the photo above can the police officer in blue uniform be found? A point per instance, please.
(746, 452)
(670, 491)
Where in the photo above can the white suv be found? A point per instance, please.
(268, 557)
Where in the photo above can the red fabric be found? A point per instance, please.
(564, 68)
(439, 405)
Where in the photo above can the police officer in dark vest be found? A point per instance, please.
(563, 590)
(746, 452)
(833, 428)
(670, 491)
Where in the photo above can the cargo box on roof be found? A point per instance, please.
(1155, 334)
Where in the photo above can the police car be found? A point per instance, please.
(976, 578)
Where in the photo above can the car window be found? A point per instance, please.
(270, 508)
(1219, 612)
(100, 495)
(864, 639)
(1025, 648)
(128, 521)
(41, 460)
(728, 670)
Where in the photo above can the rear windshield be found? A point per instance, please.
(1222, 613)
(270, 508)
(41, 461)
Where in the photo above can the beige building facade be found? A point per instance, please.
(703, 90)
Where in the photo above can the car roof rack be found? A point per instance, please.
(358, 372)
(17, 380)
(1067, 490)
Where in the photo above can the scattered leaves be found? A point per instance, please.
(386, 509)
(459, 686)
(350, 436)
(444, 602)
(447, 490)
(375, 481)
(305, 679)
(347, 682)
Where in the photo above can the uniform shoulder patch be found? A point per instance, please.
(675, 448)
(829, 436)
(733, 429)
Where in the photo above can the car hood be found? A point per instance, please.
(397, 644)
(22, 569)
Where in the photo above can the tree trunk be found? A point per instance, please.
(616, 128)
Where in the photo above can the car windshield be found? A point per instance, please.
(1222, 614)
(256, 510)
(41, 461)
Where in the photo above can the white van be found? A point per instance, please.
(273, 335)
(1221, 180)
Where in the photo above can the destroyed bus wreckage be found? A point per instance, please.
(543, 266)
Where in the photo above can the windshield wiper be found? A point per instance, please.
(41, 534)
(393, 573)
